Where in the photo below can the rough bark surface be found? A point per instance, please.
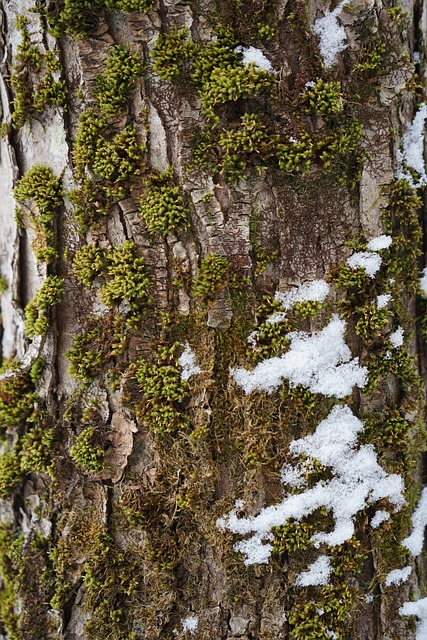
(117, 537)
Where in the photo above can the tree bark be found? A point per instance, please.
(185, 187)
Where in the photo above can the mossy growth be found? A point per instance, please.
(371, 57)
(3, 285)
(10, 547)
(87, 452)
(340, 152)
(324, 98)
(113, 85)
(212, 277)
(171, 53)
(37, 445)
(88, 264)
(126, 278)
(162, 207)
(10, 472)
(17, 399)
(37, 311)
(79, 18)
(32, 79)
(41, 187)
(119, 159)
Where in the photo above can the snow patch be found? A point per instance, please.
(396, 338)
(423, 282)
(315, 291)
(319, 362)
(358, 480)
(412, 155)
(380, 242)
(379, 518)
(318, 573)
(255, 56)
(332, 35)
(366, 260)
(415, 541)
(190, 624)
(188, 363)
(383, 300)
(418, 609)
(398, 576)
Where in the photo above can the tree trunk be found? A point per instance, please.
(196, 324)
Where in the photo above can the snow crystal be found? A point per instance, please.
(366, 260)
(188, 363)
(275, 318)
(332, 35)
(380, 242)
(315, 291)
(416, 57)
(190, 624)
(379, 517)
(419, 609)
(251, 54)
(358, 480)
(413, 150)
(397, 576)
(318, 573)
(423, 282)
(319, 362)
(292, 476)
(396, 338)
(415, 541)
(369, 598)
(383, 300)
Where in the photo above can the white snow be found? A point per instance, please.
(379, 517)
(369, 598)
(315, 291)
(396, 338)
(358, 480)
(418, 609)
(423, 282)
(397, 576)
(188, 363)
(416, 57)
(252, 54)
(275, 318)
(415, 541)
(190, 624)
(366, 260)
(383, 300)
(320, 362)
(332, 35)
(380, 242)
(412, 155)
(318, 573)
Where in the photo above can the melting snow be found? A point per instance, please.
(315, 291)
(319, 362)
(188, 363)
(318, 573)
(415, 541)
(418, 609)
(332, 35)
(383, 300)
(398, 576)
(251, 54)
(358, 480)
(413, 150)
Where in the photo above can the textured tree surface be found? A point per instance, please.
(157, 191)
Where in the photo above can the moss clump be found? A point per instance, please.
(212, 277)
(119, 159)
(10, 547)
(171, 52)
(88, 264)
(162, 207)
(87, 452)
(17, 398)
(126, 277)
(37, 311)
(324, 98)
(113, 85)
(10, 472)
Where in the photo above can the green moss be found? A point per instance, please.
(162, 207)
(88, 264)
(10, 472)
(87, 452)
(171, 52)
(113, 85)
(9, 554)
(3, 285)
(212, 277)
(17, 398)
(37, 370)
(119, 159)
(324, 98)
(126, 278)
(32, 81)
(37, 450)
(37, 311)
(296, 156)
